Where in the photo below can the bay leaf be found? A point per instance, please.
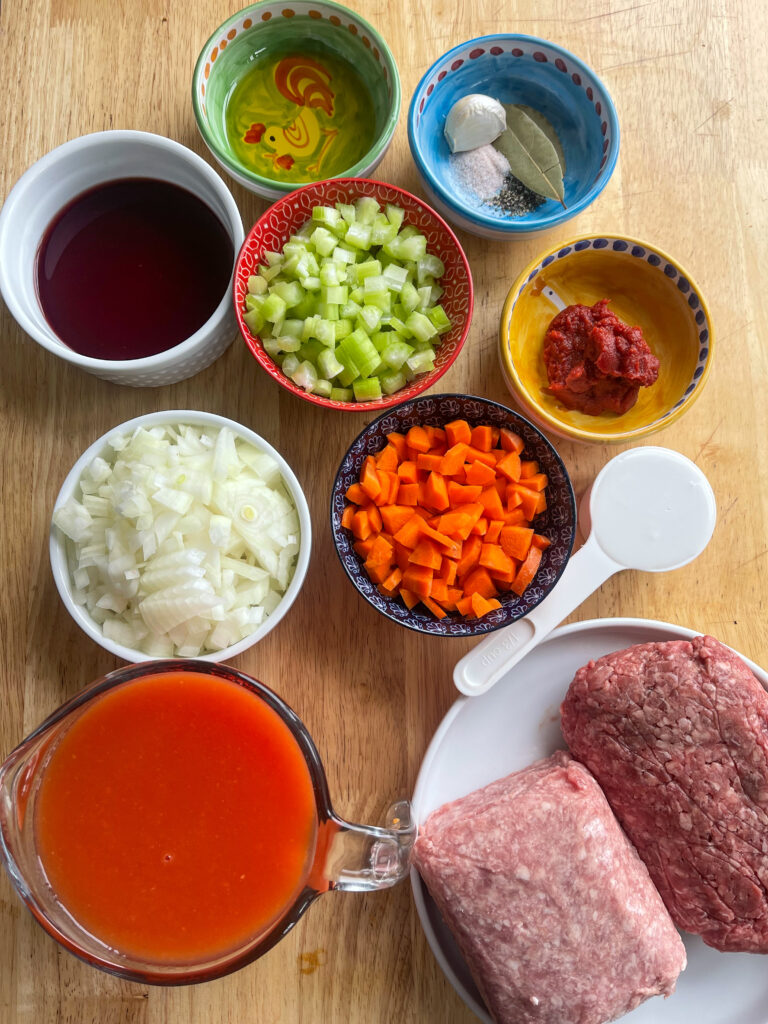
(532, 158)
(546, 127)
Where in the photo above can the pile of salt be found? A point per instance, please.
(481, 171)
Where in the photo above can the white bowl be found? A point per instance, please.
(58, 542)
(65, 173)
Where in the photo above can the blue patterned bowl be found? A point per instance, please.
(648, 289)
(516, 69)
(558, 523)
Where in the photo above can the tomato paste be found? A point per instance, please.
(595, 362)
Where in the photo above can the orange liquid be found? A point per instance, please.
(176, 818)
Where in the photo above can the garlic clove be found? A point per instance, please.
(474, 121)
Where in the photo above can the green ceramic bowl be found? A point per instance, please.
(307, 29)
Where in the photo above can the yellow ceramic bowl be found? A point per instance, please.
(648, 289)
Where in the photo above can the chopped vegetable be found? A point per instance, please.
(183, 542)
(350, 308)
(442, 516)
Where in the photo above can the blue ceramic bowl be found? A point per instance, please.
(558, 523)
(515, 69)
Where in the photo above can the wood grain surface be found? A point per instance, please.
(689, 81)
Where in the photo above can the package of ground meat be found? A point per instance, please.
(551, 907)
(676, 734)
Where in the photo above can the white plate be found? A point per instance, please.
(517, 722)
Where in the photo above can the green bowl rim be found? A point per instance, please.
(367, 160)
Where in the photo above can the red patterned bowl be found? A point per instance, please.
(273, 229)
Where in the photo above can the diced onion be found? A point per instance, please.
(182, 542)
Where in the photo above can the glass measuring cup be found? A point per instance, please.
(343, 856)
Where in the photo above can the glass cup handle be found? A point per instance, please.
(362, 858)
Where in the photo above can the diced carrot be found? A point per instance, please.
(516, 541)
(459, 494)
(408, 494)
(399, 443)
(385, 487)
(504, 579)
(478, 455)
(541, 504)
(392, 582)
(374, 518)
(439, 591)
(480, 473)
(527, 571)
(346, 517)
(510, 441)
(356, 493)
(529, 500)
(470, 556)
(418, 579)
(407, 472)
(394, 488)
(464, 607)
(434, 607)
(436, 535)
(402, 556)
(418, 439)
(361, 526)
(377, 573)
(453, 460)
(540, 542)
(428, 461)
(410, 600)
(388, 458)
(426, 514)
(493, 531)
(481, 607)
(480, 526)
(528, 469)
(409, 533)
(362, 547)
(509, 466)
(493, 558)
(458, 431)
(515, 518)
(381, 553)
(436, 436)
(437, 492)
(427, 553)
(482, 438)
(513, 499)
(394, 516)
(479, 582)
(369, 478)
(537, 482)
(456, 524)
(448, 571)
(491, 502)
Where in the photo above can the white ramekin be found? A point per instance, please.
(68, 171)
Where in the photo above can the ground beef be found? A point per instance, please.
(677, 735)
(552, 909)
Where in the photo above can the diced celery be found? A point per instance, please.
(269, 272)
(348, 375)
(272, 347)
(343, 327)
(359, 235)
(292, 328)
(328, 216)
(286, 343)
(274, 308)
(337, 294)
(395, 215)
(311, 284)
(381, 299)
(305, 375)
(383, 231)
(396, 353)
(357, 295)
(395, 276)
(322, 388)
(290, 292)
(255, 301)
(421, 326)
(425, 298)
(325, 332)
(328, 364)
(392, 382)
(342, 394)
(290, 364)
(273, 257)
(341, 254)
(256, 285)
(366, 208)
(439, 319)
(347, 211)
(254, 320)
(409, 297)
(421, 361)
(306, 307)
(369, 318)
(350, 308)
(310, 350)
(381, 339)
(362, 271)
(310, 327)
(374, 284)
(329, 273)
(358, 350)
(323, 241)
(367, 390)
(328, 310)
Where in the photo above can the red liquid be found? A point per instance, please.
(132, 268)
(176, 818)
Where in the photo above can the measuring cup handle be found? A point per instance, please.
(479, 670)
(361, 858)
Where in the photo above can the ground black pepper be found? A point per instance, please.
(515, 198)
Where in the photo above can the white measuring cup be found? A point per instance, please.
(650, 509)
